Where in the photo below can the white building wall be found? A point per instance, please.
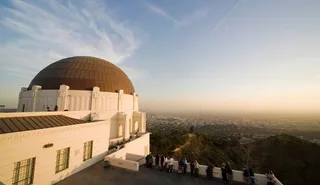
(23, 145)
(76, 100)
(79, 100)
(108, 101)
(127, 103)
(46, 98)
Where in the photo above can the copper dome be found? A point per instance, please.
(83, 73)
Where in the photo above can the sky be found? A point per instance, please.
(183, 55)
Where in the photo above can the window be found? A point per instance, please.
(87, 150)
(62, 162)
(23, 172)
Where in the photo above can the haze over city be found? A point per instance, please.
(224, 56)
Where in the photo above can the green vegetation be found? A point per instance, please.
(294, 161)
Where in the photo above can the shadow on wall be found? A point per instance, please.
(1, 183)
(78, 168)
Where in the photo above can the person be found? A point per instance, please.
(229, 173)
(271, 179)
(180, 166)
(157, 161)
(165, 163)
(185, 165)
(245, 174)
(149, 160)
(196, 168)
(170, 163)
(162, 161)
(210, 171)
(252, 179)
(224, 173)
(192, 168)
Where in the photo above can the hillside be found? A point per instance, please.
(293, 160)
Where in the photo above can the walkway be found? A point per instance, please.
(96, 175)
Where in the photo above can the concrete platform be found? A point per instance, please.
(97, 175)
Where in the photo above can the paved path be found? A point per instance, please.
(97, 175)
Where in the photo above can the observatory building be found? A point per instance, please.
(75, 112)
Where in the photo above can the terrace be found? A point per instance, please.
(97, 175)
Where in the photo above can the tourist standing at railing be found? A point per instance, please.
(192, 168)
(271, 179)
(245, 174)
(165, 163)
(229, 173)
(210, 171)
(149, 160)
(196, 168)
(224, 173)
(252, 179)
(162, 161)
(180, 166)
(170, 163)
(185, 165)
(157, 161)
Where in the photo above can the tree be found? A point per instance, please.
(191, 129)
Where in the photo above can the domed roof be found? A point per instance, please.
(83, 73)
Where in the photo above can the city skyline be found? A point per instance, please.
(224, 56)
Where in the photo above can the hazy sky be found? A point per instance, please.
(181, 55)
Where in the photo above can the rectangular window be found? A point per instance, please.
(87, 150)
(62, 162)
(23, 172)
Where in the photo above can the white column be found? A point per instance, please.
(34, 90)
(120, 93)
(143, 122)
(95, 99)
(135, 102)
(62, 97)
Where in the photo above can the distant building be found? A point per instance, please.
(89, 104)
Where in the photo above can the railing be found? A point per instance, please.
(237, 175)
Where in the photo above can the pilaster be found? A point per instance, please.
(34, 93)
(62, 97)
(95, 98)
(142, 127)
(135, 102)
(120, 93)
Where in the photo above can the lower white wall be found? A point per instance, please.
(138, 146)
(137, 158)
(24, 145)
(131, 152)
(122, 163)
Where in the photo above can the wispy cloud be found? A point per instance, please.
(43, 32)
(178, 22)
(161, 12)
(222, 20)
